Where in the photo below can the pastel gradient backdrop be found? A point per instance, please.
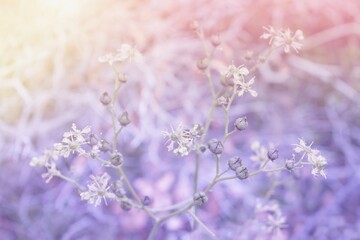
(50, 77)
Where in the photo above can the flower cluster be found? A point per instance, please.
(313, 156)
(283, 38)
(182, 141)
(237, 75)
(125, 53)
(98, 189)
(73, 142)
(48, 160)
(270, 217)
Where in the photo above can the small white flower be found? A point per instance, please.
(235, 72)
(313, 157)
(275, 222)
(302, 147)
(245, 87)
(44, 160)
(125, 53)
(128, 53)
(288, 40)
(98, 190)
(284, 38)
(72, 141)
(51, 172)
(222, 101)
(182, 141)
(260, 152)
(269, 33)
(318, 165)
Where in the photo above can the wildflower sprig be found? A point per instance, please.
(235, 82)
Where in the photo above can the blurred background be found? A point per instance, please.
(50, 77)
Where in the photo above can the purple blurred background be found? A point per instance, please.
(50, 78)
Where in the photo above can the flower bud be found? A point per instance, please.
(105, 99)
(215, 40)
(146, 201)
(290, 164)
(242, 172)
(118, 189)
(200, 198)
(273, 154)
(124, 119)
(202, 148)
(215, 146)
(202, 64)
(234, 163)
(92, 140)
(117, 159)
(248, 55)
(125, 204)
(241, 123)
(194, 25)
(123, 78)
(104, 146)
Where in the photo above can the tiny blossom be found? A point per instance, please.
(283, 38)
(260, 152)
(125, 53)
(235, 72)
(72, 141)
(302, 147)
(288, 41)
(97, 190)
(128, 53)
(51, 172)
(318, 165)
(222, 101)
(245, 87)
(313, 156)
(44, 160)
(182, 141)
(275, 222)
(270, 33)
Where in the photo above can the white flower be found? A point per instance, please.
(76, 133)
(182, 141)
(245, 87)
(260, 152)
(44, 160)
(125, 53)
(269, 33)
(313, 156)
(275, 222)
(288, 40)
(72, 141)
(302, 147)
(283, 38)
(98, 190)
(235, 72)
(222, 101)
(108, 58)
(318, 165)
(51, 171)
(128, 53)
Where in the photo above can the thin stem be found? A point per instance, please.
(171, 207)
(207, 230)
(72, 181)
(134, 194)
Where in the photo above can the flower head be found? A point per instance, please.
(98, 190)
(284, 38)
(244, 87)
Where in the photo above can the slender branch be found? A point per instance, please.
(207, 230)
